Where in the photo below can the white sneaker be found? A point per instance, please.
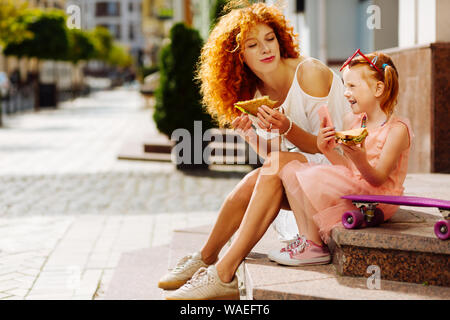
(183, 271)
(283, 253)
(205, 284)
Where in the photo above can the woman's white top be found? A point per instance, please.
(302, 109)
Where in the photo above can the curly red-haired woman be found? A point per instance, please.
(251, 52)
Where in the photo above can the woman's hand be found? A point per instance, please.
(272, 120)
(325, 138)
(242, 124)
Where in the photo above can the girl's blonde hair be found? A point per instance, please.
(388, 75)
(225, 78)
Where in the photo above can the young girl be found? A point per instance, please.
(377, 166)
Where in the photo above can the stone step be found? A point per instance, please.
(146, 148)
(138, 272)
(137, 275)
(227, 149)
(405, 249)
(266, 280)
(158, 146)
(186, 241)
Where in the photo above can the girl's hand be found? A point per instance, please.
(272, 120)
(355, 153)
(325, 138)
(242, 124)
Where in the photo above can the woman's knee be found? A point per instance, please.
(243, 191)
(271, 163)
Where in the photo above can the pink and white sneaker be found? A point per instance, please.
(307, 253)
(274, 255)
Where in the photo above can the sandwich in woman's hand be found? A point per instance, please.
(251, 106)
(351, 137)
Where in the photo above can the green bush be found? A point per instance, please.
(178, 99)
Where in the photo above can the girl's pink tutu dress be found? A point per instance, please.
(318, 188)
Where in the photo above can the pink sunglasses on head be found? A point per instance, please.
(372, 63)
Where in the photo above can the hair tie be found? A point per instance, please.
(385, 65)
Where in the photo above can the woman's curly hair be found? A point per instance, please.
(225, 78)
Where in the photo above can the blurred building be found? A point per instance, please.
(157, 18)
(121, 17)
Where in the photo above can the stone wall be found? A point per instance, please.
(424, 98)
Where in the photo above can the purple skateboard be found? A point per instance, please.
(370, 216)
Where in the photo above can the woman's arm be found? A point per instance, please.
(315, 79)
(243, 126)
(396, 142)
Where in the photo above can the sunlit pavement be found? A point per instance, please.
(69, 208)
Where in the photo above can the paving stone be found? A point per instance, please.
(137, 275)
(9, 284)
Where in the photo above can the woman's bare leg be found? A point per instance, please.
(262, 209)
(229, 218)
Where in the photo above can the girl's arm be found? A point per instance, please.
(326, 142)
(396, 142)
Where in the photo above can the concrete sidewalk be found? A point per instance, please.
(69, 208)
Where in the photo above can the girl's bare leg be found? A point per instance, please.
(262, 209)
(301, 208)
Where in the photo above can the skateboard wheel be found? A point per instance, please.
(442, 229)
(352, 219)
(378, 218)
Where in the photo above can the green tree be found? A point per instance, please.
(81, 46)
(49, 36)
(119, 56)
(178, 99)
(12, 29)
(103, 42)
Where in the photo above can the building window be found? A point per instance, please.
(300, 6)
(107, 9)
(131, 32)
